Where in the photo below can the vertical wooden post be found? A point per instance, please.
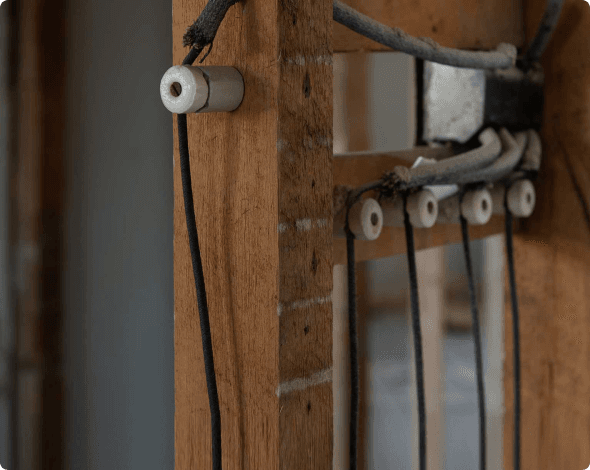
(262, 179)
(553, 263)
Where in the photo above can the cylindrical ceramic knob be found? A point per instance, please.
(422, 208)
(521, 198)
(186, 89)
(476, 208)
(365, 220)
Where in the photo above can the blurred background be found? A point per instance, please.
(86, 291)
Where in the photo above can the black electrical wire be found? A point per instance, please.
(417, 335)
(515, 334)
(544, 32)
(193, 240)
(477, 341)
(354, 365)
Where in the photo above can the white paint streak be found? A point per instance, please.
(296, 385)
(301, 60)
(303, 225)
(304, 303)
(281, 144)
(322, 223)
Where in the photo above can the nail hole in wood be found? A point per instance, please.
(307, 86)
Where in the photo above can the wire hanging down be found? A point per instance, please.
(477, 342)
(193, 238)
(544, 33)
(353, 338)
(417, 336)
(515, 334)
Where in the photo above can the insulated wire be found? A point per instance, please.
(544, 33)
(515, 333)
(424, 48)
(477, 341)
(417, 335)
(193, 240)
(354, 365)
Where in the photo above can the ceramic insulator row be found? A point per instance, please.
(521, 198)
(365, 220)
(476, 207)
(422, 208)
(186, 89)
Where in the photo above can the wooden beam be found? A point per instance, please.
(465, 24)
(262, 179)
(358, 168)
(553, 263)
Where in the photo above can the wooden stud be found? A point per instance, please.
(262, 180)
(553, 263)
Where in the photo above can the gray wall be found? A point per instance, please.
(119, 203)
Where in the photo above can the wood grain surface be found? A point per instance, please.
(553, 263)
(262, 180)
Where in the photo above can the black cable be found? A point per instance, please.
(354, 365)
(417, 335)
(544, 32)
(193, 240)
(477, 341)
(515, 334)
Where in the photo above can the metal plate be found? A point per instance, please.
(454, 100)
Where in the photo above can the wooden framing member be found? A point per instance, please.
(262, 178)
(553, 263)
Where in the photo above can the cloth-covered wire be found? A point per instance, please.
(424, 48)
(193, 240)
(353, 339)
(446, 171)
(544, 32)
(417, 336)
(515, 334)
(477, 342)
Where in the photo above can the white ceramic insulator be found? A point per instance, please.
(422, 209)
(365, 220)
(203, 89)
(226, 88)
(521, 198)
(476, 208)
